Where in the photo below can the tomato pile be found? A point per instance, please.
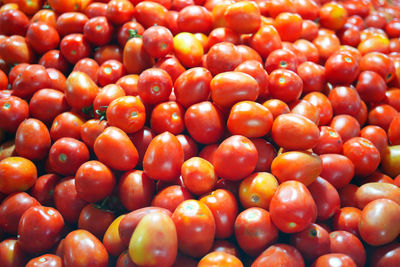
(199, 133)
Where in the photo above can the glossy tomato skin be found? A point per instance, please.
(228, 88)
(198, 175)
(349, 244)
(46, 260)
(235, 158)
(66, 124)
(223, 57)
(304, 167)
(81, 90)
(326, 198)
(163, 158)
(168, 116)
(71, 22)
(347, 219)
(130, 221)
(33, 78)
(111, 239)
(204, 122)
(337, 169)
(285, 85)
(74, 47)
(43, 189)
(67, 201)
(114, 148)
(94, 181)
(32, 140)
(81, 248)
(49, 225)
(154, 86)
(12, 208)
(95, 219)
(224, 208)
(141, 139)
(67, 154)
(252, 221)
(170, 197)
(286, 211)
(334, 259)
(294, 132)
(219, 258)
(195, 227)
(154, 241)
(278, 255)
(312, 242)
(42, 37)
(135, 58)
(329, 141)
(378, 222)
(375, 190)
(90, 130)
(11, 253)
(188, 49)
(265, 40)
(17, 174)
(135, 190)
(386, 255)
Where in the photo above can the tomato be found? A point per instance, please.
(390, 159)
(12, 208)
(119, 11)
(11, 253)
(347, 195)
(329, 142)
(46, 104)
(204, 122)
(70, 22)
(326, 44)
(194, 19)
(150, 13)
(195, 226)
(380, 63)
(13, 110)
(95, 219)
(81, 248)
(43, 189)
(33, 78)
(364, 155)
(278, 255)
(81, 90)
(167, 116)
(13, 21)
(348, 244)
(337, 169)
(154, 86)
(237, 152)
(219, 259)
(292, 207)
(189, 146)
(334, 259)
(312, 242)
(17, 174)
(32, 140)
(326, 198)
(67, 154)
(74, 47)
(15, 50)
(135, 190)
(66, 124)
(225, 246)
(249, 119)
(114, 148)
(303, 133)
(45, 260)
(285, 85)
(47, 232)
(198, 175)
(111, 240)
(378, 222)
(386, 255)
(281, 59)
(229, 88)
(341, 68)
(346, 126)
(371, 191)
(57, 79)
(377, 136)
(382, 116)
(223, 57)
(347, 219)
(393, 133)
(154, 241)
(170, 197)
(134, 57)
(265, 40)
(130, 221)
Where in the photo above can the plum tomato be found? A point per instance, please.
(17, 174)
(280, 254)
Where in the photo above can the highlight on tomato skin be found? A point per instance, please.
(204, 133)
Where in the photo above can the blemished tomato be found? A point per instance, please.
(49, 225)
(378, 222)
(235, 158)
(292, 207)
(163, 158)
(195, 226)
(81, 248)
(278, 255)
(154, 241)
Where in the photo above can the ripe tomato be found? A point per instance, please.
(49, 225)
(43, 189)
(371, 191)
(334, 259)
(223, 57)
(326, 198)
(111, 240)
(278, 255)
(198, 175)
(11, 253)
(154, 241)
(33, 78)
(81, 248)
(114, 148)
(134, 57)
(17, 174)
(170, 197)
(154, 86)
(348, 244)
(168, 117)
(219, 259)
(347, 219)
(337, 169)
(292, 207)
(195, 226)
(95, 219)
(81, 90)
(235, 158)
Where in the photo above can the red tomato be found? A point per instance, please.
(235, 158)
(347, 219)
(81, 248)
(223, 57)
(134, 57)
(163, 158)
(386, 255)
(195, 226)
(278, 255)
(11, 253)
(48, 226)
(154, 86)
(168, 117)
(95, 219)
(43, 189)
(334, 259)
(198, 175)
(348, 244)
(292, 207)
(135, 190)
(81, 90)
(219, 259)
(17, 174)
(111, 240)
(337, 169)
(170, 197)
(114, 148)
(12, 208)
(326, 198)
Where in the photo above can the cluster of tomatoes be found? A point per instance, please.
(199, 133)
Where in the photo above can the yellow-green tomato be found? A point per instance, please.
(154, 241)
(391, 161)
